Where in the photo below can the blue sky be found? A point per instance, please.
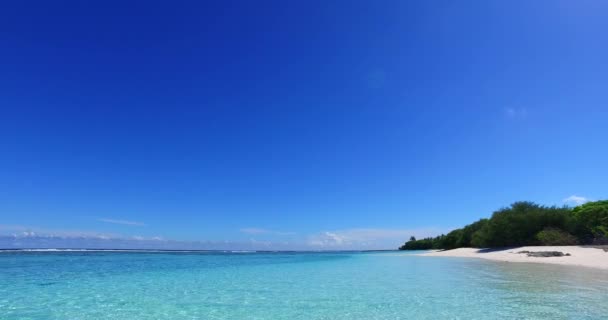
(275, 124)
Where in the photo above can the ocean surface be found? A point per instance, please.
(366, 286)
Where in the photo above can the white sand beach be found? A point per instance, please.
(579, 256)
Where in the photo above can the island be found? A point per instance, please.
(529, 232)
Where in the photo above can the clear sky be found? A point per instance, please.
(295, 124)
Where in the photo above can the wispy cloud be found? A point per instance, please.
(19, 231)
(367, 238)
(576, 199)
(123, 222)
(19, 237)
(259, 231)
(516, 113)
(15, 236)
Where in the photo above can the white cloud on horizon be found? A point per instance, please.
(15, 236)
(122, 222)
(18, 231)
(368, 238)
(578, 200)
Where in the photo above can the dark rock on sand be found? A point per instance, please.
(545, 253)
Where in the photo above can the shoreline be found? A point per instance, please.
(593, 257)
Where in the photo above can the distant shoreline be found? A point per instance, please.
(582, 256)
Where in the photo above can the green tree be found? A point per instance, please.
(526, 223)
(466, 236)
(518, 225)
(591, 220)
(555, 237)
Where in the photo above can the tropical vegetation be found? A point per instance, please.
(526, 224)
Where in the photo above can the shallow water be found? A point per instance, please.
(88, 285)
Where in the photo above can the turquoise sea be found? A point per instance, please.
(366, 286)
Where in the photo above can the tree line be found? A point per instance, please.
(526, 224)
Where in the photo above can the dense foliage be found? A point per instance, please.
(593, 221)
(555, 237)
(526, 223)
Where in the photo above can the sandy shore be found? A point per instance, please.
(579, 256)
